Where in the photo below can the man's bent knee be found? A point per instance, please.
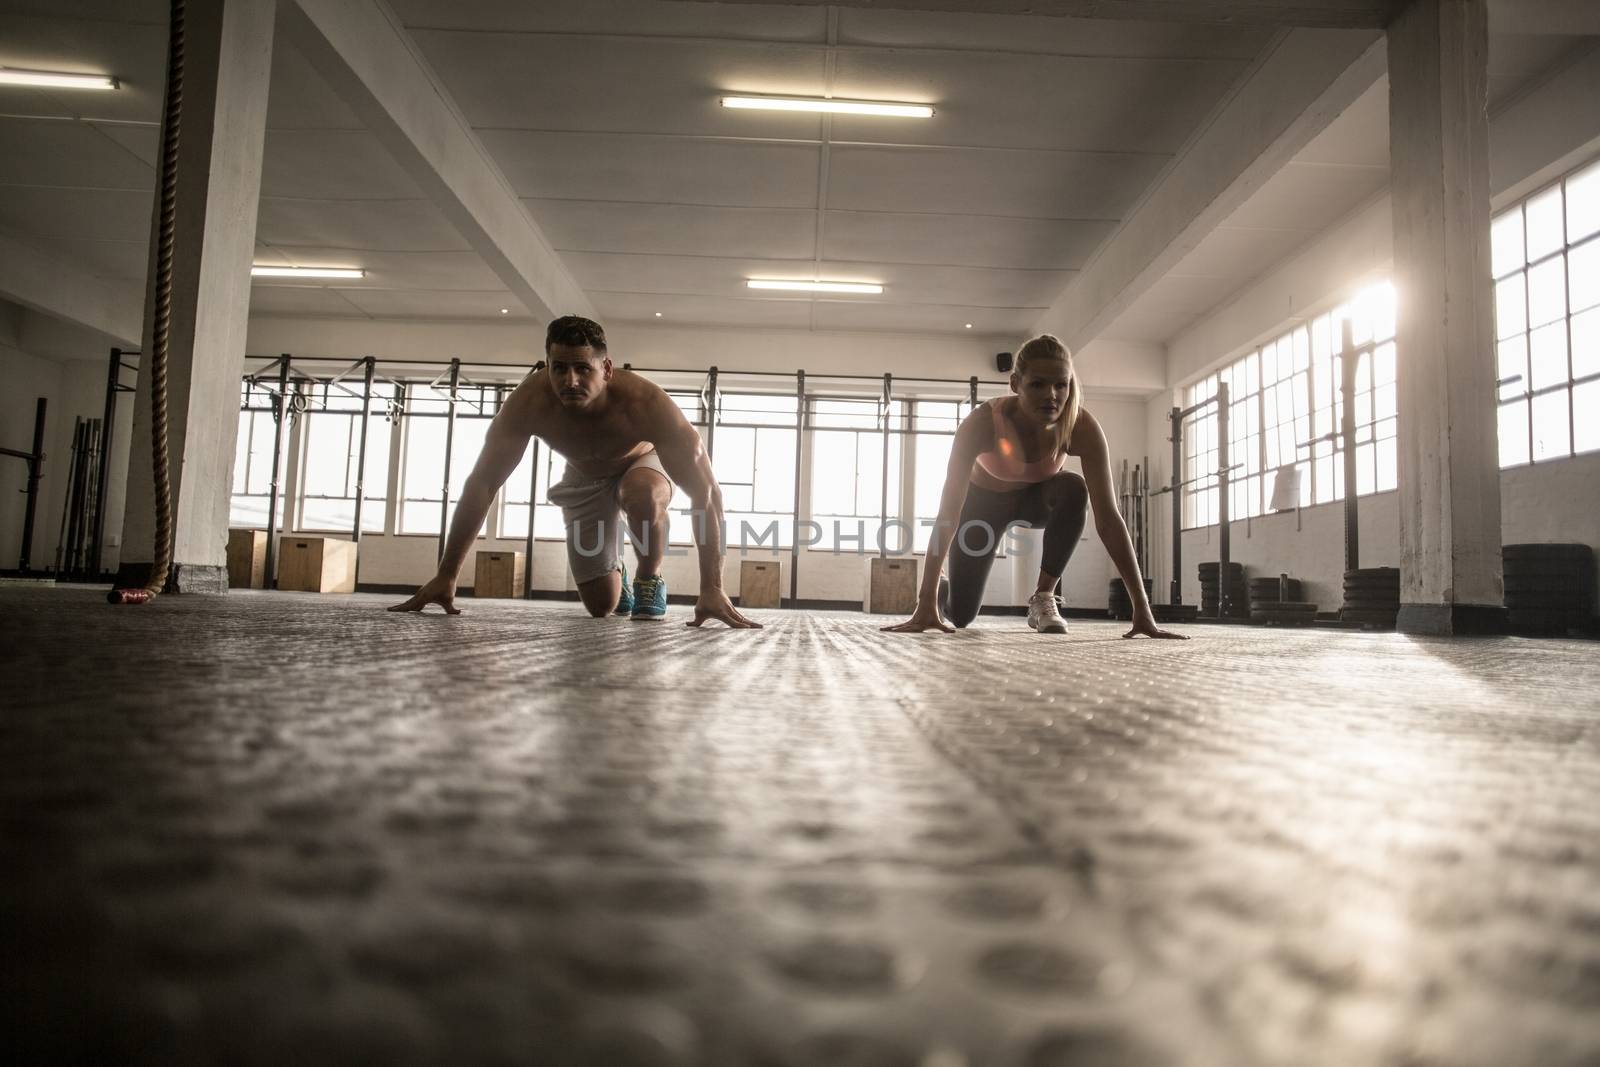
(643, 491)
(600, 595)
(644, 508)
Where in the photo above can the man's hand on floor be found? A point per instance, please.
(714, 604)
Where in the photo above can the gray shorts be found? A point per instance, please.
(592, 514)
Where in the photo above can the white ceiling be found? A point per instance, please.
(1342, 168)
(603, 117)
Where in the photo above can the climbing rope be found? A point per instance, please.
(160, 461)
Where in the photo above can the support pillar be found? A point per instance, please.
(227, 65)
(1449, 459)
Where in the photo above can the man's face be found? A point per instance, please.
(578, 374)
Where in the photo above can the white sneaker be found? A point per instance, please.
(1043, 615)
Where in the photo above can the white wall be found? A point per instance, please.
(1534, 139)
(1556, 501)
(72, 389)
(28, 378)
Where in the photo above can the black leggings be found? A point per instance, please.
(1060, 504)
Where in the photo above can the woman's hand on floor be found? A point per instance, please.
(439, 590)
(1146, 627)
(926, 617)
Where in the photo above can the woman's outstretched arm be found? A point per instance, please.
(1089, 445)
(975, 434)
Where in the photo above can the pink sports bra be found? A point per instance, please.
(1005, 462)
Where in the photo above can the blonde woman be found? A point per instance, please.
(1006, 468)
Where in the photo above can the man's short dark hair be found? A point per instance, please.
(575, 331)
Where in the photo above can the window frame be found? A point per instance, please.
(1199, 489)
(256, 409)
(379, 407)
(1528, 395)
(888, 437)
(487, 410)
(795, 427)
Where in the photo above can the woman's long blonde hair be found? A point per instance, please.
(1049, 346)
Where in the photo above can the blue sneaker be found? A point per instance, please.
(649, 599)
(625, 601)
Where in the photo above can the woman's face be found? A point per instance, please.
(1042, 390)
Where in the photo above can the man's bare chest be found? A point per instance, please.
(598, 448)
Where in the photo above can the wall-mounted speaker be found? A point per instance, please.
(1003, 362)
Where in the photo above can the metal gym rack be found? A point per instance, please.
(285, 373)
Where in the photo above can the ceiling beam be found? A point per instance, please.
(369, 60)
(1574, 17)
(1315, 14)
(37, 280)
(1303, 82)
(1579, 18)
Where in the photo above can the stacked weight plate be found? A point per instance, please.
(1175, 612)
(1549, 588)
(1120, 605)
(1278, 601)
(1269, 589)
(1211, 590)
(1372, 597)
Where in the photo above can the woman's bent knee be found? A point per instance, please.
(1072, 482)
(1069, 490)
(960, 615)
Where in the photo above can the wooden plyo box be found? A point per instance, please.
(247, 559)
(317, 565)
(759, 583)
(498, 574)
(892, 585)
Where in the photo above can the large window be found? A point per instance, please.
(547, 521)
(514, 498)
(252, 458)
(331, 446)
(934, 425)
(1244, 436)
(1200, 456)
(848, 464)
(422, 468)
(1285, 409)
(1371, 318)
(753, 455)
(681, 530)
(1546, 264)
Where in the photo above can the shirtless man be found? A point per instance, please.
(625, 443)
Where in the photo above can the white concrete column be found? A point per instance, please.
(1449, 461)
(227, 66)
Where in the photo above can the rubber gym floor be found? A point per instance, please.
(281, 828)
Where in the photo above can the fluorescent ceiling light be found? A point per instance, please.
(306, 272)
(48, 79)
(814, 287)
(835, 107)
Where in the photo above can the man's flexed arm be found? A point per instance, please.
(686, 462)
(503, 447)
